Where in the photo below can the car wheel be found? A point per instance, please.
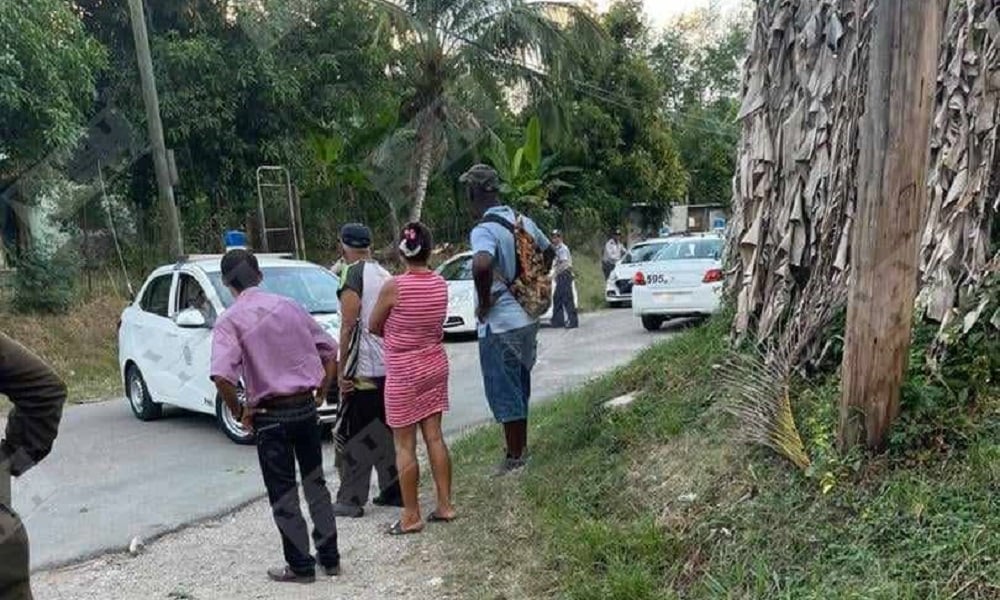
(652, 322)
(230, 425)
(139, 399)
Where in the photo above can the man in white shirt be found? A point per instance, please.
(614, 251)
(563, 304)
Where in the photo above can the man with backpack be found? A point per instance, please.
(511, 264)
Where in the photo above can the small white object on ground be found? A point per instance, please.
(135, 546)
(436, 582)
(688, 497)
(621, 401)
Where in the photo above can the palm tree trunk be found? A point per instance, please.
(425, 159)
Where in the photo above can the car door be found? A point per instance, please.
(153, 332)
(194, 345)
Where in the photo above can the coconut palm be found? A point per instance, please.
(459, 52)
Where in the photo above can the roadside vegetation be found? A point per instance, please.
(656, 500)
(81, 344)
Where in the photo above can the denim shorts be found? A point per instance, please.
(507, 360)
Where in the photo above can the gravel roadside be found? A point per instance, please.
(227, 559)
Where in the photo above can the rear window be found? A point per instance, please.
(643, 253)
(314, 288)
(691, 249)
(156, 298)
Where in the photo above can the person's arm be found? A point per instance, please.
(484, 248)
(350, 310)
(386, 302)
(227, 364)
(38, 395)
(328, 350)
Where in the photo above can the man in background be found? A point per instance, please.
(614, 251)
(563, 303)
(287, 363)
(38, 396)
(508, 335)
(367, 440)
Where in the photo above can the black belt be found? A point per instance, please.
(293, 401)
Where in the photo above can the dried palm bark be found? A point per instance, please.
(795, 187)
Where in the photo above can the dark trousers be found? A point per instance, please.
(563, 304)
(14, 582)
(367, 445)
(285, 436)
(607, 267)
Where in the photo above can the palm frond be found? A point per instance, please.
(757, 391)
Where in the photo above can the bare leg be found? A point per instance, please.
(409, 476)
(437, 450)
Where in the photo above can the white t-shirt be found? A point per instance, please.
(366, 279)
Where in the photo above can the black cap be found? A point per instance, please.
(356, 235)
(483, 177)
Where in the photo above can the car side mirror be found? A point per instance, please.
(191, 318)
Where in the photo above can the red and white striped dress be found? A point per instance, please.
(416, 364)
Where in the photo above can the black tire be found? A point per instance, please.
(139, 399)
(229, 425)
(652, 322)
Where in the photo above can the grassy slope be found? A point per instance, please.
(81, 345)
(656, 501)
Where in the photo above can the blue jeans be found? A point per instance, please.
(507, 360)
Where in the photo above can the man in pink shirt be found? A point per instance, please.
(287, 363)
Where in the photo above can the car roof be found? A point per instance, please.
(212, 263)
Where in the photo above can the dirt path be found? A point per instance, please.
(227, 559)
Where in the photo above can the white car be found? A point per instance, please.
(684, 279)
(618, 288)
(461, 317)
(165, 335)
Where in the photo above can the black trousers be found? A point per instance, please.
(368, 445)
(563, 304)
(607, 267)
(284, 437)
(14, 582)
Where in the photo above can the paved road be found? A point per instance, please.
(112, 477)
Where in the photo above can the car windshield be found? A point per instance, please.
(691, 249)
(457, 270)
(643, 253)
(314, 288)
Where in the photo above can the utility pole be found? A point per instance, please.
(891, 206)
(175, 242)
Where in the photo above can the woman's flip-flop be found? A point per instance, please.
(436, 518)
(397, 529)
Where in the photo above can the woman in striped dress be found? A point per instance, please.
(410, 316)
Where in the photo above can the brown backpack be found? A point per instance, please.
(531, 286)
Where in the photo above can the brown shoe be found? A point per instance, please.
(287, 575)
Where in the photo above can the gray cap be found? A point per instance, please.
(483, 177)
(356, 235)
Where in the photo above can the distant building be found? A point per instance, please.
(697, 218)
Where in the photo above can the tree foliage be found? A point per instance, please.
(48, 69)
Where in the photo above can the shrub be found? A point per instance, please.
(45, 282)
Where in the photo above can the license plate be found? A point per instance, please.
(664, 296)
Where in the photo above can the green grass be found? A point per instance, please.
(589, 282)
(656, 501)
(80, 345)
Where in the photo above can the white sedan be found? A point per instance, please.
(461, 317)
(165, 335)
(618, 288)
(684, 280)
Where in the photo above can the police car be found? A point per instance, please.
(165, 334)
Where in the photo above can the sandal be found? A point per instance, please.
(436, 518)
(397, 529)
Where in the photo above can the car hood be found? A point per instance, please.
(330, 323)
